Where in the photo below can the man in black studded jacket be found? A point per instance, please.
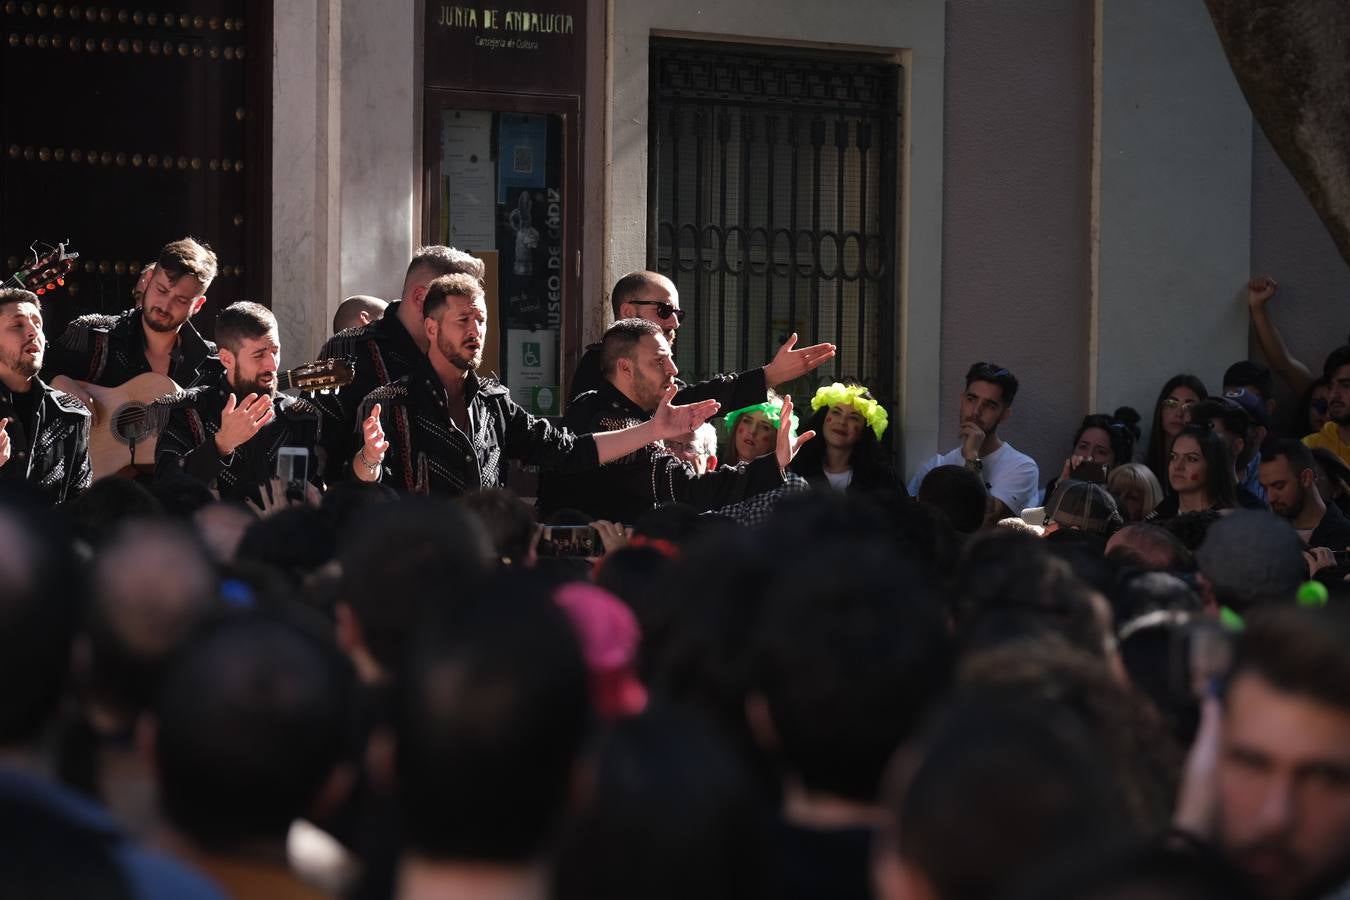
(44, 433)
(444, 430)
(639, 371)
(228, 432)
(157, 337)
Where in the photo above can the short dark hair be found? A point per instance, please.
(399, 556)
(1295, 451)
(1234, 419)
(621, 340)
(1299, 651)
(959, 493)
(253, 715)
(508, 519)
(848, 664)
(994, 374)
(1252, 374)
(1020, 778)
(189, 256)
(1143, 545)
(630, 286)
(674, 815)
(1338, 358)
(348, 313)
(492, 713)
(443, 287)
(18, 295)
(442, 260)
(241, 322)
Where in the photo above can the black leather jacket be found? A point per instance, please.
(429, 454)
(624, 489)
(110, 350)
(187, 444)
(51, 449)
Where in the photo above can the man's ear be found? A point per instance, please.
(227, 359)
(627, 311)
(197, 305)
(431, 326)
(711, 464)
(1308, 478)
(418, 298)
(1003, 416)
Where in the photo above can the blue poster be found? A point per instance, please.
(522, 145)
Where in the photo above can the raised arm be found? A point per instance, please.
(1294, 373)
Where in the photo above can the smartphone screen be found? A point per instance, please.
(570, 540)
(293, 470)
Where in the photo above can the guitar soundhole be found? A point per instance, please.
(128, 423)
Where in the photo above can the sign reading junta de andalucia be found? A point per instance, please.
(505, 28)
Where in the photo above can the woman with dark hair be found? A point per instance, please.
(1171, 414)
(848, 456)
(1200, 472)
(1100, 444)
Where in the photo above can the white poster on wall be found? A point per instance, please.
(532, 370)
(467, 175)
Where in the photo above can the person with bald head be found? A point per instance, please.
(654, 297)
(358, 311)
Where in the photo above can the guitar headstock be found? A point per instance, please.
(46, 272)
(322, 377)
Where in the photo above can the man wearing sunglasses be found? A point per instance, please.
(654, 297)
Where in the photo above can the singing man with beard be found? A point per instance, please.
(227, 432)
(157, 336)
(44, 433)
(443, 429)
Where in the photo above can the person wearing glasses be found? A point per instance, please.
(1170, 415)
(1012, 477)
(156, 336)
(654, 297)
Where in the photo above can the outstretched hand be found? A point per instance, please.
(789, 363)
(673, 421)
(787, 444)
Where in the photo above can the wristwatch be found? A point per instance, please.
(975, 465)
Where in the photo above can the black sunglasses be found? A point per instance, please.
(664, 310)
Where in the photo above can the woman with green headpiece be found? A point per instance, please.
(752, 431)
(848, 456)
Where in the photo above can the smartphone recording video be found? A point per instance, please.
(570, 540)
(292, 470)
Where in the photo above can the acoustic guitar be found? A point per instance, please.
(125, 434)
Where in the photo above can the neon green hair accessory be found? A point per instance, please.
(772, 409)
(852, 395)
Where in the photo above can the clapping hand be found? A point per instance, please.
(789, 363)
(241, 420)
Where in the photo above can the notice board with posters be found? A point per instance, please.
(503, 151)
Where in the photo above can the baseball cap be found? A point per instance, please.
(1252, 404)
(1085, 506)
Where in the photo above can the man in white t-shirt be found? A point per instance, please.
(1011, 476)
